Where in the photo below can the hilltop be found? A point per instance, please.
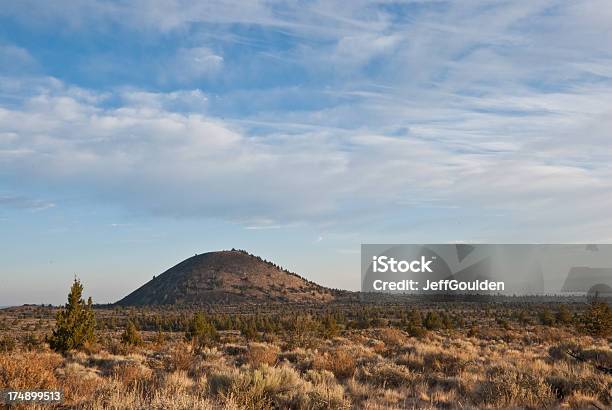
(228, 277)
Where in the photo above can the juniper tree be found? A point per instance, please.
(564, 316)
(597, 321)
(329, 327)
(415, 324)
(160, 337)
(523, 317)
(201, 331)
(547, 318)
(75, 323)
(433, 321)
(249, 330)
(131, 335)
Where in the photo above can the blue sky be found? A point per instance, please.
(134, 134)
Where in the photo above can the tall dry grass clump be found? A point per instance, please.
(340, 362)
(387, 375)
(505, 386)
(277, 387)
(29, 370)
(262, 353)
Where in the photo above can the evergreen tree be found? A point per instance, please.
(131, 335)
(564, 316)
(160, 337)
(523, 317)
(433, 321)
(248, 330)
(547, 318)
(415, 324)
(447, 322)
(598, 319)
(75, 323)
(200, 330)
(329, 327)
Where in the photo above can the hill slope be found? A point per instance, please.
(227, 277)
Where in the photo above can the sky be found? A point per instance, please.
(134, 134)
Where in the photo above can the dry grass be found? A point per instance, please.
(29, 370)
(377, 368)
(262, 353)
(339, 362)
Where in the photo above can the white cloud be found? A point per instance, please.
(195, 63)
(497, 107)
(359, 49)
(16, 59)
(182, 100)
(150, 159)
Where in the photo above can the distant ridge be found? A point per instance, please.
(228, 277)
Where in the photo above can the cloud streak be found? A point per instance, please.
(22, 203)
(332, 116)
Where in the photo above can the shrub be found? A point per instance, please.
(564, 316)
(7, 343)
(78, 383)
(29, 370)
(300, 358)
(31, 342)
(597, 321)
(547, 318)
(201, 331)
(263, 388)
(416, 331)
(446, 363)
(433, 321)
(160, 338)
(523, 317)
(602, 357)
(249, 331)
(559, 351)
(584, 401)
(131, 373)
(326, 393)
(340, 362)
(506, 386)
(562, 386)
(261, 353)
(329, 327)
(131, 335)
(75, 324)
(415, 324)
(386, 375)
(180, 358)
(392, 336)
(473, 331)
(176, 384)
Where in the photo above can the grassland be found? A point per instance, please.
(367, 356)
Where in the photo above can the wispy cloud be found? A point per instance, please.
(329, 114)
(16, 60)
(19, 202)
(197, 62)
(262, 227)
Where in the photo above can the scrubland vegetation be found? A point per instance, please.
(432, 356)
